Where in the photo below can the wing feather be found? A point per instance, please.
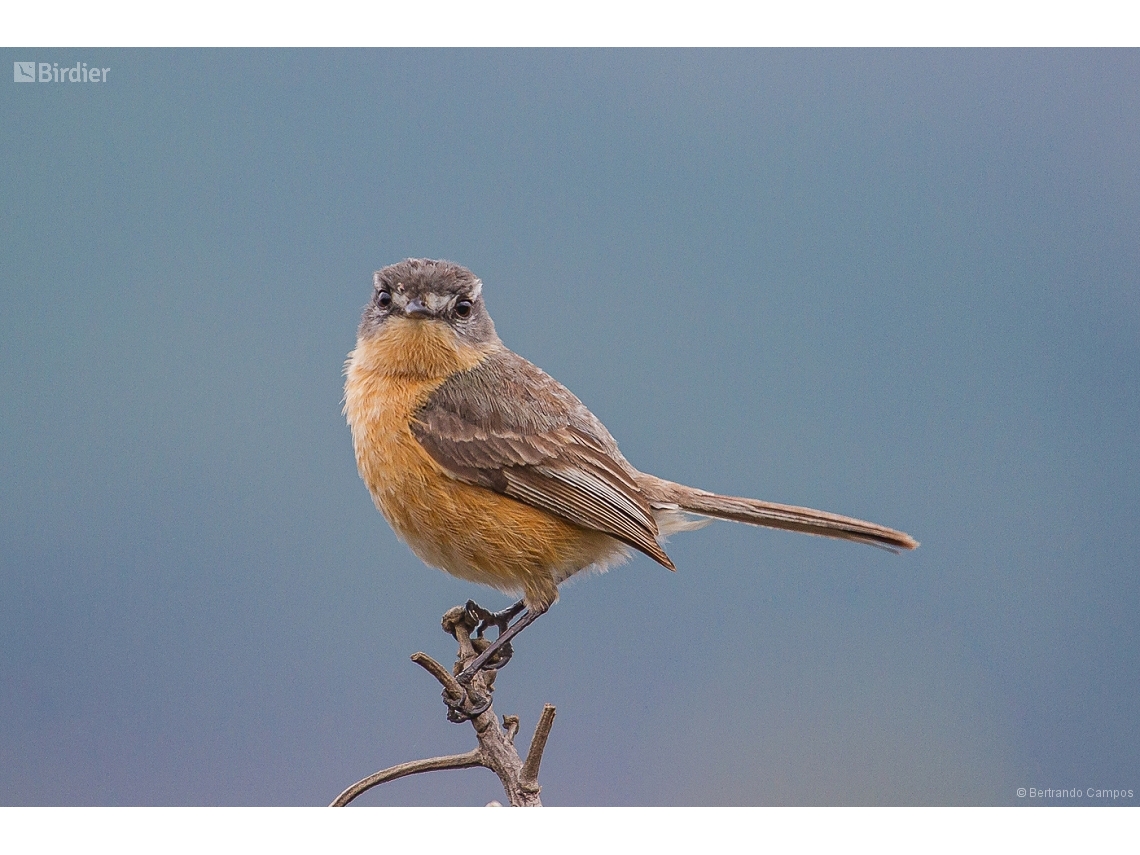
(509, 427)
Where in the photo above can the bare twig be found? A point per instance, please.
(472, 702)
(528, 775)
(511, 726)
(472, 758)
(452, 691)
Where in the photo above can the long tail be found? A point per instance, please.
(667, 496)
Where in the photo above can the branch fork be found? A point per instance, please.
(472, 702)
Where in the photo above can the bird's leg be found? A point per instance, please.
(529, 616)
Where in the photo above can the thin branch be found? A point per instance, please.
(511, 726)
(471, 701)
(528, 776)
(474, 757)
(449, 683)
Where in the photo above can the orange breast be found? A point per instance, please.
(469, 531)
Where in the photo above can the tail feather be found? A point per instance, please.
(669, 496)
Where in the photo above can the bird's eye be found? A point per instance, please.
(463, 308)
(384, 299)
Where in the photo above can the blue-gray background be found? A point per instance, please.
(900, 285)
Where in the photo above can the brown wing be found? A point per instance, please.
(508, 426)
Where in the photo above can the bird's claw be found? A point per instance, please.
(484, 619)
(466, 706)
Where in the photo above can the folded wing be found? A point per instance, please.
(509, 427)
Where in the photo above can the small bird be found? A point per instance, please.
(491, 470)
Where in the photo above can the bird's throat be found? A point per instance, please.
(416, 349)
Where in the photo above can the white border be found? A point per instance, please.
(571, 830)
(603, 23)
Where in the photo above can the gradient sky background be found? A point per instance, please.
(901, 285)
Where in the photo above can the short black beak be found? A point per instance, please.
(416, 309)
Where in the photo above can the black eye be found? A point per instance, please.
(384, 299)
(463, 308)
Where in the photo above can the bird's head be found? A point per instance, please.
(427, 317)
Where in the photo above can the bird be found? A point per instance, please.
(491, 470)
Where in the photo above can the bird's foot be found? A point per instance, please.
(466, 706)
(483, 619)
(497, 653)
(500, 619)
(463, 702)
